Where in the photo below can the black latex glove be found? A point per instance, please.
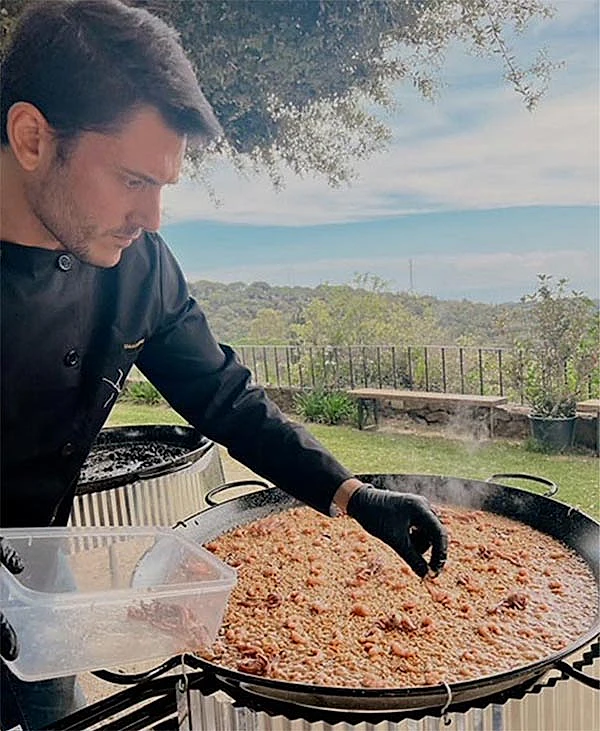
(9, 645)
(405, 522)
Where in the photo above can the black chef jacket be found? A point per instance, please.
(70, 333)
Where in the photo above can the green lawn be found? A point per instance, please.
(577, 476)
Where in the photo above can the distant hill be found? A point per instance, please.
(232, 308)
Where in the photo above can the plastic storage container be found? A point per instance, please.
(91, 598)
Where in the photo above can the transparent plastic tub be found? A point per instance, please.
(92, 598)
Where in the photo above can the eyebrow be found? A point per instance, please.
(147, 178)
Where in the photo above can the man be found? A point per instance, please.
(98, 104)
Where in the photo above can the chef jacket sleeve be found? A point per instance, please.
(205, 383)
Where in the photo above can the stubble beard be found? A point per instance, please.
(53, 204)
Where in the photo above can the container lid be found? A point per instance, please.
(103, 562)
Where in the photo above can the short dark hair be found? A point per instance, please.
(87, 65)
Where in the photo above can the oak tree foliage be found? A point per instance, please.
(305, 85)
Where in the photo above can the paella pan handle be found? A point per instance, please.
(552, 486)
(588, 680)
(574, 671)
(177, 661)
(210, 495)
(134, 678)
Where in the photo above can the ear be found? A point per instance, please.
(30, 136)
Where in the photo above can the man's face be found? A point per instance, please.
(108, 191)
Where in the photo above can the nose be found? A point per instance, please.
(149, 209)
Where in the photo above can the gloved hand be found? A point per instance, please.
(9, 646)
(405, 522)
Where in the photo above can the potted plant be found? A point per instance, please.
(560, 359)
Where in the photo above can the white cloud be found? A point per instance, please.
(570, 11)
(516, 158)
(546, 158)
(503, 276)
(507, 267)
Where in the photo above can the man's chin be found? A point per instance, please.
(103, 251)
(105, 257)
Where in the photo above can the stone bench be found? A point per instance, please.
(368, 400)
(591, 406)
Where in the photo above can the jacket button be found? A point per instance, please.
(68, 450)
(64, 263)
(71, 359)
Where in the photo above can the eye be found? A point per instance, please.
(134, 183)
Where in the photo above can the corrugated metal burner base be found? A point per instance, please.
(161, 500)
(160, 495)
(553, 705)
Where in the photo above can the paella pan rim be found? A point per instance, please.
(195, 444)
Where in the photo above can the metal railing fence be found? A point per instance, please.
(452, 369)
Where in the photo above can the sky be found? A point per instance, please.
(472, 199)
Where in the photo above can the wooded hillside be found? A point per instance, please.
(259, 313)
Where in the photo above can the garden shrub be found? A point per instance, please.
(325, 407)
(143, 392)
